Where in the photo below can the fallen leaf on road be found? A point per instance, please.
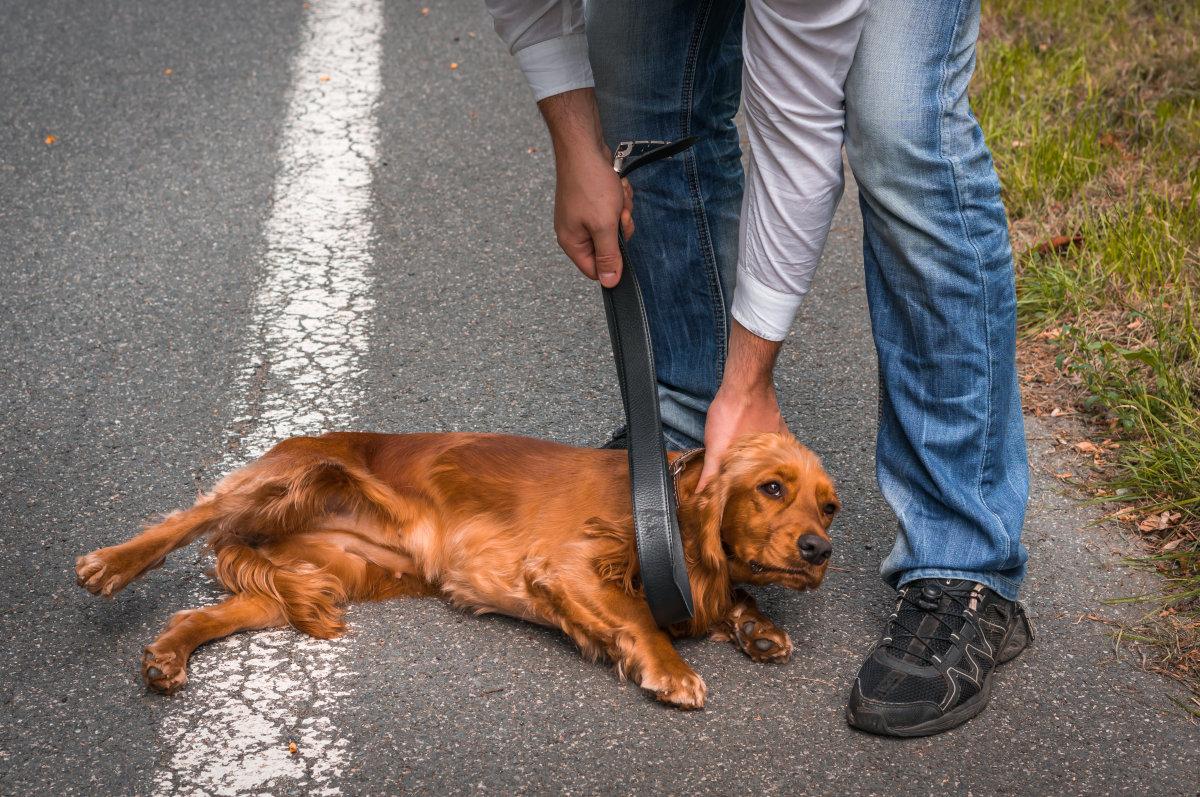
(1064, 475)
(1086, 447)
(1160, 522)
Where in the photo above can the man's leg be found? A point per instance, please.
(951, 449)
(665, 70)
(950, 455)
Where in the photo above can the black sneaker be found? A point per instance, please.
(932, 670)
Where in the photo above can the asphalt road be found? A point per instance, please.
(132, 252)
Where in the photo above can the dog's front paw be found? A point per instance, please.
(163, 672)
(684, 689)
(762, 640)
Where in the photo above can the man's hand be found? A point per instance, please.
(590, 202)
(746, 402)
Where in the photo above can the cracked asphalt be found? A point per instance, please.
(133, 250)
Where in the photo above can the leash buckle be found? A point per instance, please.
(633, 149)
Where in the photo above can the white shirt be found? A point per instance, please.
(796, 54)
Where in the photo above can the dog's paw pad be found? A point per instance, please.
(163, 672)
(764, 641)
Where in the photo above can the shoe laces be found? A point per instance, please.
(922, 601)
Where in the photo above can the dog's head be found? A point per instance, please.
(771, 506)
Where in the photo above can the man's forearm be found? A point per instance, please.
(750, 366)
(573, 120)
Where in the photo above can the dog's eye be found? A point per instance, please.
(830, 508)
(772, 488)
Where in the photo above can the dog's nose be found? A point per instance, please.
(815, 548)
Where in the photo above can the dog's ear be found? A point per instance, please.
(712, 500)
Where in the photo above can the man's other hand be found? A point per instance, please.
(746, 402)
(591, 204)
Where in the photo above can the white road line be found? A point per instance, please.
(249, 696)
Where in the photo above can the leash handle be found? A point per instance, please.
(656, 527)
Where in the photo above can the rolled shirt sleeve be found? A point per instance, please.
(548, 41)
(765, 311)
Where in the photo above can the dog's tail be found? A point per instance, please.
(310, 595)
(293, 489)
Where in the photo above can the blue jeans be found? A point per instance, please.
(950, 454)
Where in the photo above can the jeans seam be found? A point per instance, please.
(881, 399)
(987, 325)
(703, 234)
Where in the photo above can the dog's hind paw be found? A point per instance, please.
(107, 571)
(98, 574)
(163, 672)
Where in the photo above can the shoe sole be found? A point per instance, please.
(875, 722)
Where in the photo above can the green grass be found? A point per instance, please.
(1092, 110)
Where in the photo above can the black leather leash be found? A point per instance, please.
(656, 528)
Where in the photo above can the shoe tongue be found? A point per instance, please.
(933, 614)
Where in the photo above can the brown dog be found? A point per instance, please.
(528, 528)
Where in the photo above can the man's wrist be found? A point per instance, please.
(750, 368)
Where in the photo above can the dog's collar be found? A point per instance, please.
(681, 465)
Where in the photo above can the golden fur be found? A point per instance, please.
(493, 523)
